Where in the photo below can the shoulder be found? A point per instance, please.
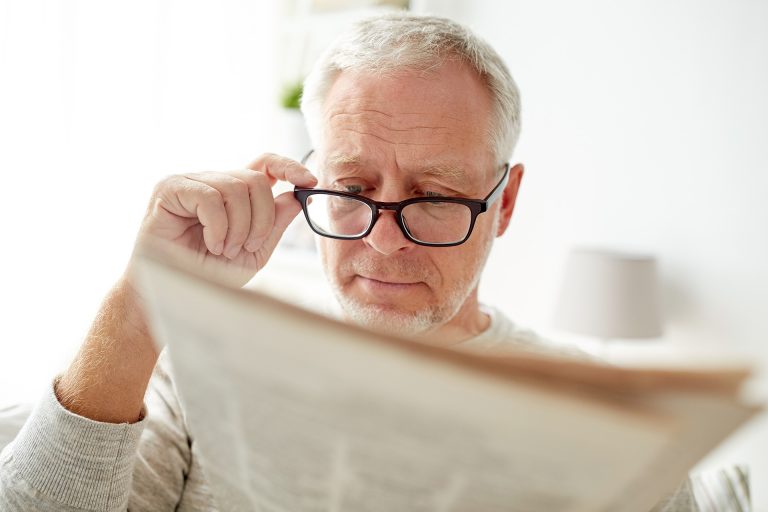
(503, 334)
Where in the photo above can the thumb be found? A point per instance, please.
(286, 209)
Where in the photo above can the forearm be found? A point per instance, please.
(60, 462)
(109, 376)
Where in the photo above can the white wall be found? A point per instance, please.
(98, 101)
(645, 126)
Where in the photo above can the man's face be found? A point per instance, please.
(390, 139)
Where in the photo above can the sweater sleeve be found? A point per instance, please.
(65, 462)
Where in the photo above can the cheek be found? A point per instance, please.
(333, 254)
(485, 226)
(457, 264)
(453, 264)
(326, 250)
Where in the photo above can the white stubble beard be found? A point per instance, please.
(414, 323)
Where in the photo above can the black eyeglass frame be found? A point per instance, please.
(476, 207)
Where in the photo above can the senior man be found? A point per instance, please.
(413, 121)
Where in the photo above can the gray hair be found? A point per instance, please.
(403, 40)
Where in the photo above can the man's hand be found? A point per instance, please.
(228, 217)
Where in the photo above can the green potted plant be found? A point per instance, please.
(291, 95)
(293, 140)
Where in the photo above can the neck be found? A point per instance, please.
(469, 322)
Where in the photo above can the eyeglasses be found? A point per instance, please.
(430, 221)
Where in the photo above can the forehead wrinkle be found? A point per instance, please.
(389, 121)
(445, 171)
(356, 105)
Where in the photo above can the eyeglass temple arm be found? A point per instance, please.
(499, 188)
(306, 157)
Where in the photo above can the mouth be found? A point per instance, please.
(388, 284)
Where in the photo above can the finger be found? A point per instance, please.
(237, 205)
(207, 205)
(262, 207)
(278, 167)
(286, 209)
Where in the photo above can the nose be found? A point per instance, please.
(386, 237)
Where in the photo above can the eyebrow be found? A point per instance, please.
(446, 171)
(340, 159)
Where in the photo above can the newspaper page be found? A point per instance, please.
(293, 411)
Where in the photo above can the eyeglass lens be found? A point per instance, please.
(434, 222)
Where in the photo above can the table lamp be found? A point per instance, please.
(608, 294)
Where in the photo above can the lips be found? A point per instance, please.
(389, 280)
(380, 288)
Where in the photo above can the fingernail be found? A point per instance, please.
(219, 249)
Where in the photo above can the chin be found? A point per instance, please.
(389, 319)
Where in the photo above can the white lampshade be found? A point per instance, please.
(608, 294)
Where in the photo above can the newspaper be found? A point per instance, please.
(293, 411)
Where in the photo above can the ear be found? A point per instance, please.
(508, 197)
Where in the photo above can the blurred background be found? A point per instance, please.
(645, 130)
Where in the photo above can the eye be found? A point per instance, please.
(430, 193)
(430, 189)
(352, 188)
